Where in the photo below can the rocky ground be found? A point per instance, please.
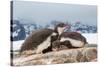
(86, 54)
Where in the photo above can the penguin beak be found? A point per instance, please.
(67, 26)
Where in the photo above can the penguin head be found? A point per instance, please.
(61, 27)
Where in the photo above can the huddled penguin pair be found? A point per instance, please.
(45, 40)
(41, 40)
(69, 40)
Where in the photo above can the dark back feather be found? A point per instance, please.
(35, 38)
(74, 35)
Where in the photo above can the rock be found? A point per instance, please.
(86, 54)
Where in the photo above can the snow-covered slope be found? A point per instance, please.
(17, 31)
(91, 39)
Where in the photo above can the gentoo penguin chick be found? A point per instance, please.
(57, 45)
(69, 40)
(41, 40)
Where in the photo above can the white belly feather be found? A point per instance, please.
(75, 43)
(45, 44)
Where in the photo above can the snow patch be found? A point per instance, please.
(91, 38)
(17, 44)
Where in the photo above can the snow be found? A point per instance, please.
(91, 39)
(15, 34)
(17, 44)
(14, 25)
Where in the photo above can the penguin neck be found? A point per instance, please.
(58, 32)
